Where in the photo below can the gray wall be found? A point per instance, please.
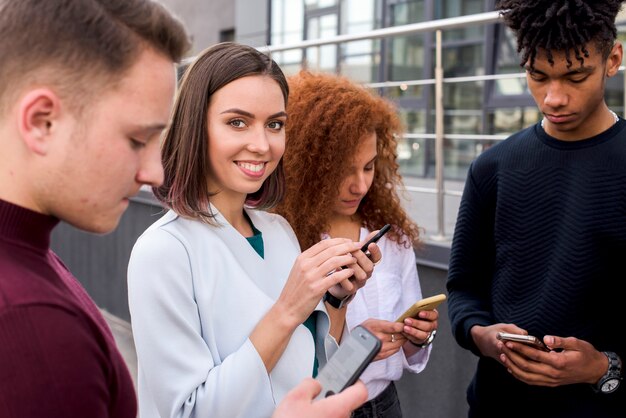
(204, 19)
(251, 22)
(439, 390)
(100, 261)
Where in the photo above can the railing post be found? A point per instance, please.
(439, 161)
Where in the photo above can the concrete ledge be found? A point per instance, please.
(434, 254)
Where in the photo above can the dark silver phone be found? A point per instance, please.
(345, 366)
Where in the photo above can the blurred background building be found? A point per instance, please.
(484, 95)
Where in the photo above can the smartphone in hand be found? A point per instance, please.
(426, 304)
(376, 237)
(346, 365)
(526, 339)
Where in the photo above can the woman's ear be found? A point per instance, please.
(38, 110)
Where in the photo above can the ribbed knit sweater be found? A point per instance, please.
(58, 357)
(540, 242)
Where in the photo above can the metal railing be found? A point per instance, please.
(439, 135)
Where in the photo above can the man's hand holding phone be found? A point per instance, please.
(568, 360)
(347, 363)
(530, 340)
(300, 401)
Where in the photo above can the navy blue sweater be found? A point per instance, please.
(540, 242)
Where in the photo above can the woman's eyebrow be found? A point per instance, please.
(251, 115)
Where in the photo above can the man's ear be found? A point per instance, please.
(614, 60)
(37, 117)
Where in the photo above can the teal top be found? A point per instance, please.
(310, 324)
(256, 241)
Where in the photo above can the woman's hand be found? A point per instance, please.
(418, 330)
(390, 335)
(316, 270)
(363, 268)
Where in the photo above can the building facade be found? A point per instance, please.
(474, 107)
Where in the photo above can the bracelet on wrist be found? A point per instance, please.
(428, 341)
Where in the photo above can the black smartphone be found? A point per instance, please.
(346, 365)
(376, 237)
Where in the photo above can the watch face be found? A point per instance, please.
(610, 385)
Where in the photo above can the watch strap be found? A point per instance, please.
(336, 302)
(614, 372)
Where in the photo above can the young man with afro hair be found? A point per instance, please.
(541, 229)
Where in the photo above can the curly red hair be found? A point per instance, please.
(328, 115)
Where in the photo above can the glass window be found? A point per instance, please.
(511, 120)
(462, 60)
(287, 27)
(406, 55)
(359, 59)
(362, 67)
(412, 155)
(323, 58)
(357, 16)
(227, 35)
(454, 8)
(405, 91)
(509, 63)
(318, 4)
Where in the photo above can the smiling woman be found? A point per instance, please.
(220, 297)
(246, 136)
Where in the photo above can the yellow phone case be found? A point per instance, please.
(426, 304)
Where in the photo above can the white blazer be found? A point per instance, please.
(195, 293)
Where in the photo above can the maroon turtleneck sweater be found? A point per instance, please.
(58, 357)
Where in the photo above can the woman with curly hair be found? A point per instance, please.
(342, 180)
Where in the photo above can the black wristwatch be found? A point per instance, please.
(611, 379)
(335, 302)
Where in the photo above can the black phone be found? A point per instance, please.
(376, 237)
(345, 366)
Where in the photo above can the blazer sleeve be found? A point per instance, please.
(179, 374)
